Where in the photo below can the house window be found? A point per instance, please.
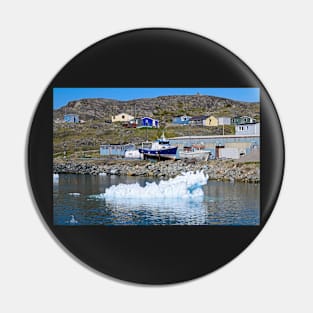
(123, 116)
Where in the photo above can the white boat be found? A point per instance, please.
(195, 152)
(132, 154)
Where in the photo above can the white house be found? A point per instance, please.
(224, 120)
(248, 129)
(122, 117)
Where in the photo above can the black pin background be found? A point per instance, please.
(155, 58)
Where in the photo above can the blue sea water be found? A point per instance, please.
(78, 200)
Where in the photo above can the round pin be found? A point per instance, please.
(155, 156)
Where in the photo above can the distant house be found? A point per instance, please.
(224, 120)
(237, 120)
(197, 120)
(181, 120)
(122, 117)
(248, 129)
(210, 121)
(71, 118)
(149, 122)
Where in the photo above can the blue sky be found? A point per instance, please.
(61, 96)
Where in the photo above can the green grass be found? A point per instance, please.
(90, 135)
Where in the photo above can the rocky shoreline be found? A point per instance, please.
(216, 169)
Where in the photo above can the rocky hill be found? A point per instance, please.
(85, 138)
(162, 108)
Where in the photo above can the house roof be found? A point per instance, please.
(242, 116)
(200, 117)
(123, 114)
(254, 123)
(151, 118)
(180, 116)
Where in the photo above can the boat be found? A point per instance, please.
(159, 149)
(132, 154)
(195, 152)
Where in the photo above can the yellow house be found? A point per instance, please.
(122, 117)
(210, 121)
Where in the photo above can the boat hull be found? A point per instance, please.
(166, 151)
(160, 157)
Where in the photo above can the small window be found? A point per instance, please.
(123, 116)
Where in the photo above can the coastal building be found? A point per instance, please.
(181, 120)
(248, 129)
(71, 118)
(223, 120)
(237, 120)
(197, 120)
(210, 121)
(116, 150)
(149, 122)
(229, 153)
(122, 117)
(234, 144)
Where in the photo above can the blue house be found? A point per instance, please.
(181, 120)
(149, 122)
(71, 118)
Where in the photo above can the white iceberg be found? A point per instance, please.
(55, 178)
(185, 186)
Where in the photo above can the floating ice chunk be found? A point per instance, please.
(75, 194)
(73, 220)
(55, 178)
(187, 185)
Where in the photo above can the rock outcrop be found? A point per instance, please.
(217, 170)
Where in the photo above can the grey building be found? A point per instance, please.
(248, 129)
(197, 120)
(243, 143)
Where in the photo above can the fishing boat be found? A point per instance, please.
(195, 152)
(159, 149)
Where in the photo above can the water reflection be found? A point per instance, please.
(222, 204)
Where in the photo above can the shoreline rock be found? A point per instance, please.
(220, 170)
